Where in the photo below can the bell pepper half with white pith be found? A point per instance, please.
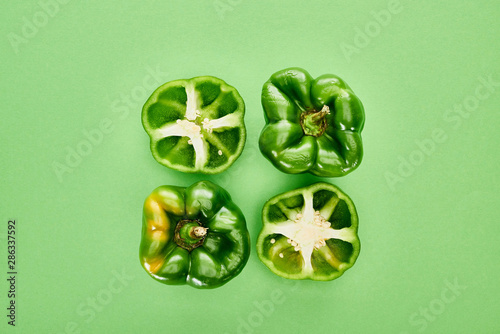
(195, 125)
(195, 236)
(309, 233)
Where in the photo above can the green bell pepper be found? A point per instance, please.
(312, 125)
(195, 125)
(193, 235)
(309, 233)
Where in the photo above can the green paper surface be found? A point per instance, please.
(75, 164)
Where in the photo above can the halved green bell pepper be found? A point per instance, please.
(193, 235)
(195, 125)
(312, 125)
(309, 233)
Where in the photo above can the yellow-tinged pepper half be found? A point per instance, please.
(195, 236)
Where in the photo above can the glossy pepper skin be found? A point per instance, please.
(312, 125)
(195, 125)
(195, 236)
(309, 233)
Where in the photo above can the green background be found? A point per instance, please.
(428, 207)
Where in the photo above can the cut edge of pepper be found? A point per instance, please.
(309, 273)
(200, 164)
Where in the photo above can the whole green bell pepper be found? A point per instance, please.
(309, 233)
(193, 235)
(312, 125)
(195, 125)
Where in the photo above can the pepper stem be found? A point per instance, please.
(314, 122)
(198, 232)
(189, 234)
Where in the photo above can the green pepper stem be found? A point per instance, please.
(189, 234)
(313, 122)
